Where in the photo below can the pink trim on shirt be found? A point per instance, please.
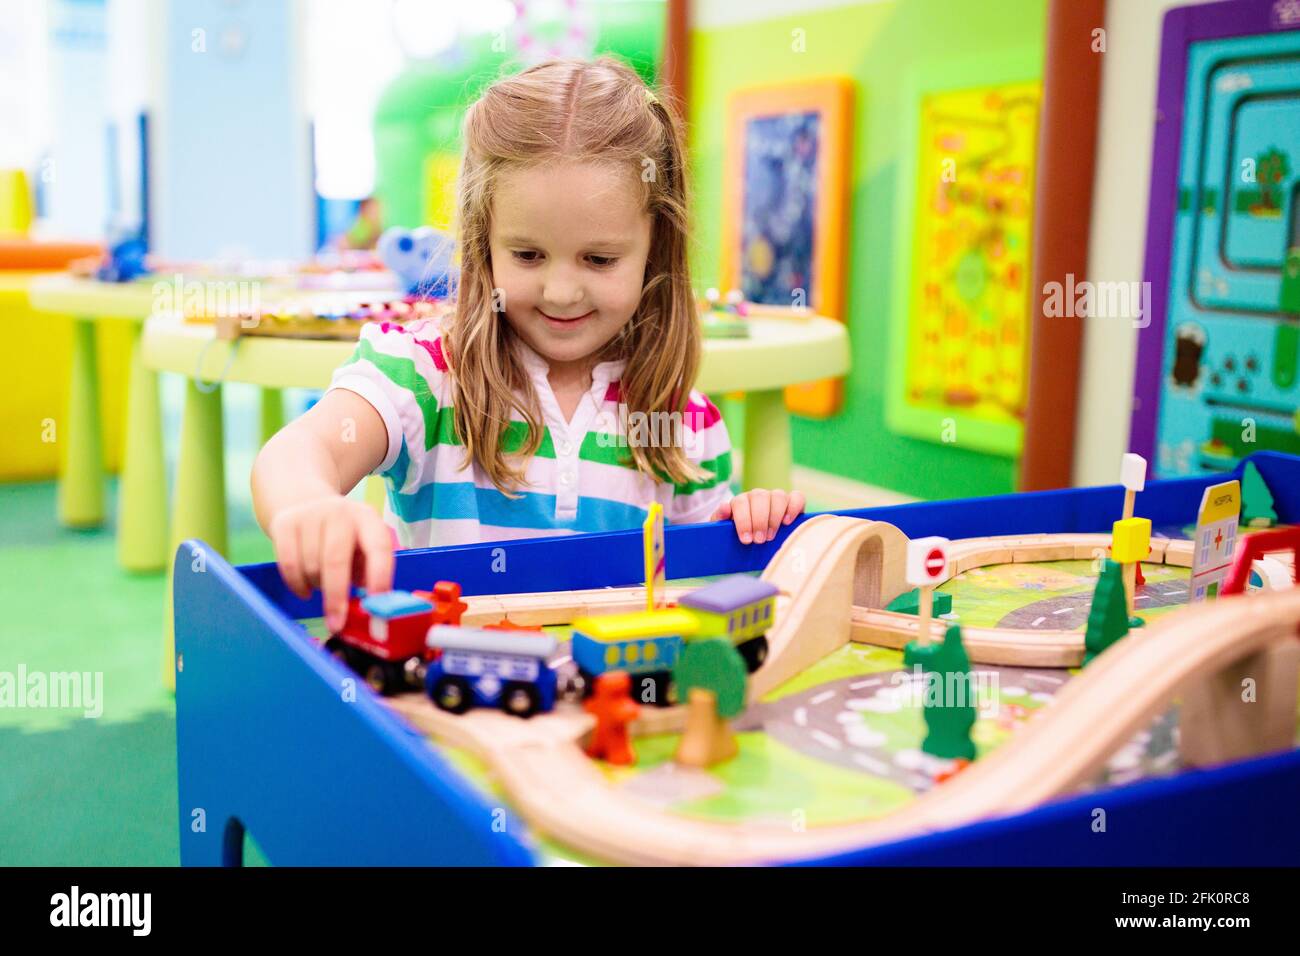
(434, 348)
(700, 415)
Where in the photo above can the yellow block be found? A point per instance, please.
(1131, 540)
(621, 627)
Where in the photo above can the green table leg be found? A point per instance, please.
(81, 478)
(272, 412)
(768, 450)
(142, 492)
(200, 507)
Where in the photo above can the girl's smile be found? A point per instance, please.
(566, 323)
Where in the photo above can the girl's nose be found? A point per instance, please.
(561, 289)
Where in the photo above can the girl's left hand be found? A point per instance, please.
(759, 514)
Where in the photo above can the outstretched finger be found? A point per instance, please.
(376, 542)
(338, 539)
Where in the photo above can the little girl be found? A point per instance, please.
(537, 407)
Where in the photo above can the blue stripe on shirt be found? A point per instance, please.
(465, 500)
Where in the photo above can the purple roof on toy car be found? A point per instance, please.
(728, 594)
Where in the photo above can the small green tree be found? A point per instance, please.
(1108, 616)
(715, 665)
(1256, 499)
(950, 714)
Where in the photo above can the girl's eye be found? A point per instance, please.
(527, 255)
(602, 261)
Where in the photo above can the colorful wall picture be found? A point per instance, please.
(961, 326)
(1218, 372)
(785, 207)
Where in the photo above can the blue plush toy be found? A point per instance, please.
(124, 261)
(421, 258)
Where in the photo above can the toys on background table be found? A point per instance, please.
(725, 320)
(124, 260)
(422, 260)
(383, 636)
(949, 706)
(711, 676)
(1216, 534)
(315, 318)
(614, 709)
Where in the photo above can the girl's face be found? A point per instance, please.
(569, 245)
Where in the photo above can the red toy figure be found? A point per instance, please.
(1138, 580)
(614, 709)
(447, 605)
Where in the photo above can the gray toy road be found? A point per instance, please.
(831, 722)
(1069, 611)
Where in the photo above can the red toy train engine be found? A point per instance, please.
(383, 637)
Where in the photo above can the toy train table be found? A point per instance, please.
(281, 741)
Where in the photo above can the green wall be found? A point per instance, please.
(875, 44)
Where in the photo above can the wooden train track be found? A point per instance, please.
(825, 568)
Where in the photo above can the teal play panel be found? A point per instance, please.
(1232, 339)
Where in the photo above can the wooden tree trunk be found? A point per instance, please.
(708, 739)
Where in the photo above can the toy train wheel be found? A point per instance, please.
(384, 678)
(339, 651)
(451, 694)
(754, 652)
(521, 700)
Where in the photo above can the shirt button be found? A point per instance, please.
(566, 479)
(566, 448)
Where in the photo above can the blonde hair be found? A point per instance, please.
(597, 111)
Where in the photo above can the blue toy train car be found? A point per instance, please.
(481, 668)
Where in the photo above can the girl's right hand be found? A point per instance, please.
(329, 543)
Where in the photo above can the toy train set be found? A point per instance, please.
(404, 640)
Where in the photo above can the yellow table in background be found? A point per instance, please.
(779, 352)
(142, 495)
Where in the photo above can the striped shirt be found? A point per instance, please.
(582, 477)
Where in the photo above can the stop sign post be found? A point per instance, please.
(927, 565)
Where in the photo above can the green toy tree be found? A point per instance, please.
(949, 715)
(711, 679)
(1108, 617)
(1256, 499)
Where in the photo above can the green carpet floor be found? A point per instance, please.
(77, 790)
